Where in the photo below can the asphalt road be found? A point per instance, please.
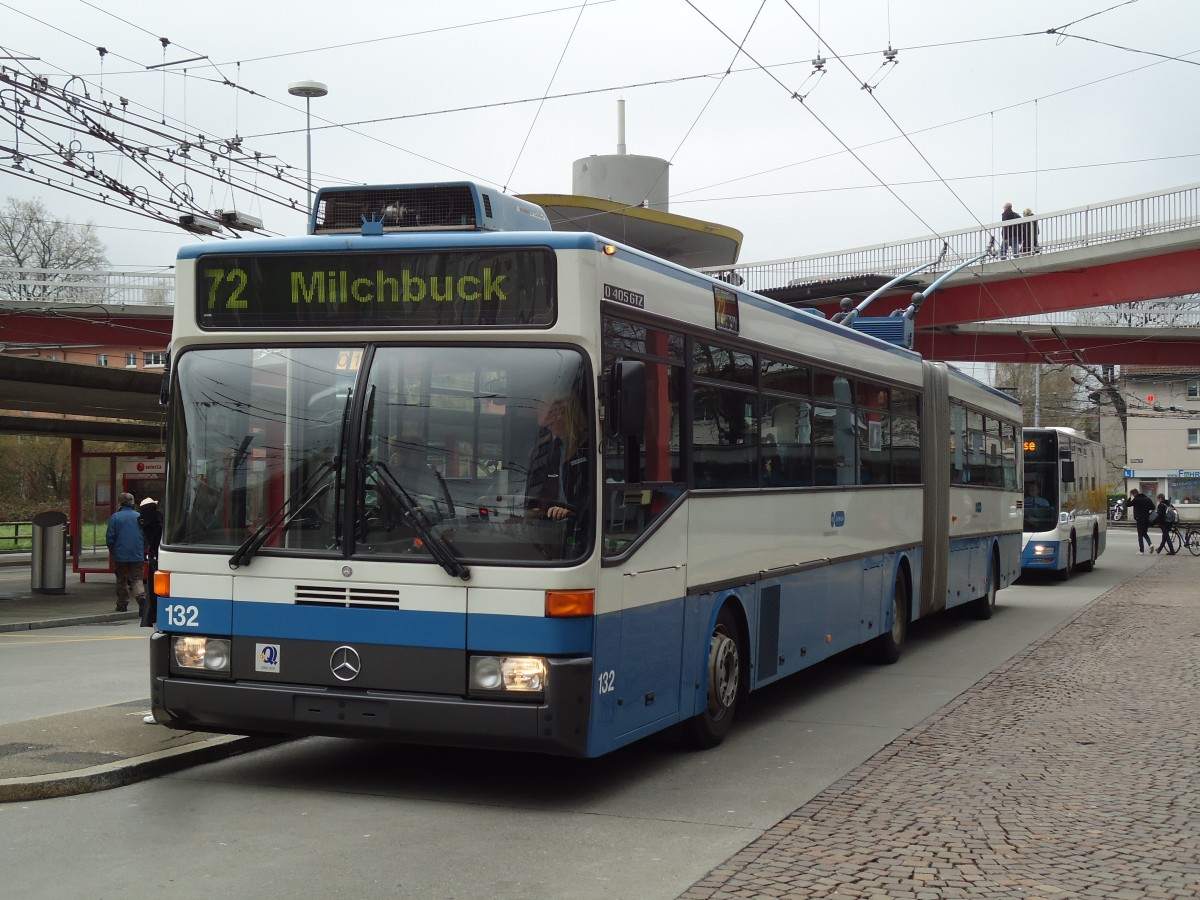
(57, 670)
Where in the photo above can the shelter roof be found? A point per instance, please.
(98, 403)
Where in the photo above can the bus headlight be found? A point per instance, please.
(519, 675)
(203, 653)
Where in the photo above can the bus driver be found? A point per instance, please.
(557, 480)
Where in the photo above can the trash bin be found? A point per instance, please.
(48, 564)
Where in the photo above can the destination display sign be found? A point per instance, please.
(1041, 448)
(434, 289)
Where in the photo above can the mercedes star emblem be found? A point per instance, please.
(345, 664)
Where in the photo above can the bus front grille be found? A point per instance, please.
(347, 597)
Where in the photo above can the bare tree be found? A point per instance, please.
(1047, 393)
(34, 475)
(1080, 395)
(1073, 396)
(1103, 384)
(47, 249)
(1170, 312)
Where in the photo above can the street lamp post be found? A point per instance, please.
(308, 90)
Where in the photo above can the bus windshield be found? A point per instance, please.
(427, 453)
(1041, 495)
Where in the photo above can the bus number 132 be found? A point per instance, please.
(182, 616)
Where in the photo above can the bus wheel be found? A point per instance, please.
(724, 678)
(1091, 563)
(1065, 572)
(983, 607)
(889, 644)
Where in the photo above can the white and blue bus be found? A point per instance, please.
(1065, 503)
(439, 474)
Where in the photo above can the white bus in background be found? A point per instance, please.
(1065, 502)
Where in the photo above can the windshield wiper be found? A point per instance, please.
(417, 518)
(299, 501)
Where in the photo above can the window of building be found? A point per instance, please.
(1193, 389)
(102, 359)
(131, 360)
(154, 359)
(1193, 438)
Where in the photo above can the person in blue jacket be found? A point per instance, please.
(127, 546)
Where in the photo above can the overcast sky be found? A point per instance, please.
(994, 108)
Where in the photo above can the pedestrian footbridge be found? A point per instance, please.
(994, 307)
(977, 302)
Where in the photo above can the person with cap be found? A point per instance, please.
(152, 527)
(127, 546)
(1029, 232)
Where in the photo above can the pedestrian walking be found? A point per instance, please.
(1029, 232)
(1141, 506)
(1163, 523)
(127, 546)
(152, 526)
(1011, 233)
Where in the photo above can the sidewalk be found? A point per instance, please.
(84, 603)
(90, 749)
(1073, 770)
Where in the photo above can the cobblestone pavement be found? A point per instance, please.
(1071, 771)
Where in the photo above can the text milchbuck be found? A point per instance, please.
(339, 287)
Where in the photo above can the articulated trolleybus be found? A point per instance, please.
(1066, 502)
(439, 474)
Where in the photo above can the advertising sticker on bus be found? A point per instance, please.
(725, 304)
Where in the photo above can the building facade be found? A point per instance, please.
(1163, 434)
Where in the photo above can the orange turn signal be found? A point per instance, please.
(561, 604)
(162, 584)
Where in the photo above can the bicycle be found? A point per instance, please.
(1191, 539)
(1178, 539)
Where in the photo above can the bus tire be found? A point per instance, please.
(889, 644)
(723, 678)
(983, 607)
(1091, 562)
(1065, 572)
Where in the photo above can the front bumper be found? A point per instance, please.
(557, 725)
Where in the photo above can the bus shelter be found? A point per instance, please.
(97, 479)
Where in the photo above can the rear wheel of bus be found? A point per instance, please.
(983, 607)
(723, 676)
(889, 644)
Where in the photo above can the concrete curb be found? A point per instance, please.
(130, 771)
(71, 620)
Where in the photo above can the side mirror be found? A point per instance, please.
(1068, 471)
(625, 403)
